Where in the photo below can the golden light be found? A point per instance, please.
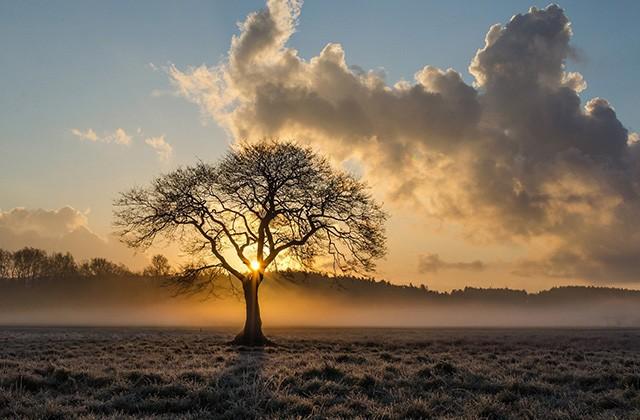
(255, 265)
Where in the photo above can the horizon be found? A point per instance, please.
(107, 113)
(82, 268)
(99, 293)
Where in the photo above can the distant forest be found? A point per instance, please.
(31, 265)
(34, 269)
(40, 288)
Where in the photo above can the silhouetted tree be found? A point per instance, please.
(101, 267)
(159, 267)
(60, 266)
(29, 263)
(6, 264)
(261, 203)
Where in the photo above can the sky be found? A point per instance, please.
(498, 176)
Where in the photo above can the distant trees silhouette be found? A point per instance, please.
(57, 280)
(61, 266)
(102, 267)
(261, 203)
(6, 263)
(31, 264)
(159, 267)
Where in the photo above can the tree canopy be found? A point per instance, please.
(261, 203)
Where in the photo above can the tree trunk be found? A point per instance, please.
(251, 335)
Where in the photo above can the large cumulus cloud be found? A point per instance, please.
(515, 156)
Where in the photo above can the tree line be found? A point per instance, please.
(31, 264)
(31, 267)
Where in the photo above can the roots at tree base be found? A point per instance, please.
(255, 340)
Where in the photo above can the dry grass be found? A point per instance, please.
(492, 374)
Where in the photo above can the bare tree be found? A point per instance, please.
(61, 266)
(29, 264)
(259, 205)
(159, 267)
(101, 267)
(6, 264)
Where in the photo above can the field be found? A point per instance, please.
(320, 373)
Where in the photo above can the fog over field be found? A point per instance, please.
(300, 299)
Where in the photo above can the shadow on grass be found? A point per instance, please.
(238, 389)
(255, 388)
(242, 384)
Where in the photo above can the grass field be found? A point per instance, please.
(320, 373)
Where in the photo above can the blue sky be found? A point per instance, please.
(86, 64)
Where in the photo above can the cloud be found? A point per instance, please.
(432, 263)
(43, 222)
(516, 156)
(119, 136)
(89, 134)
(61, 230)
(162, 148)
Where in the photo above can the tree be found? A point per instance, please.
(159, 267)
(61, 266)
(29, 263)
(6, 264)
(259, 205)
(101, 267)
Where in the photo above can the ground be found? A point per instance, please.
(320, 373)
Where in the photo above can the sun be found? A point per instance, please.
(255, 265)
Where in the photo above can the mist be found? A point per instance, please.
(312, 300)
